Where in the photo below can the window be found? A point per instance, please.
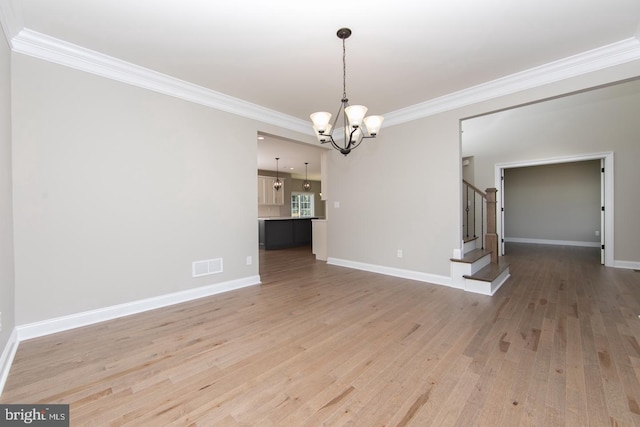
(302, 205)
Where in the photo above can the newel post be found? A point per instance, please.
(491, 237)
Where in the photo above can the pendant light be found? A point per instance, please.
(356, 126)
(306, 185)
(277, 185)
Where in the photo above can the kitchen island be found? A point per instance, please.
(287, 232)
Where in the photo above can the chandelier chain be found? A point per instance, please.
(344, 70)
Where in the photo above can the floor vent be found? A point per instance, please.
(207, 266)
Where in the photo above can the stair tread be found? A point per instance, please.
(489, 273)
(472, 256)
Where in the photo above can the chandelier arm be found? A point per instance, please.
(344, 150)
(335, 145)
(345, 124)
(335, 121)
(351, 141)
(354, 144)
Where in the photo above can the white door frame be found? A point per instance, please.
(606, 189)
(603, 215)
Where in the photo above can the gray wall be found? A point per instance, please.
(397, 192)
(119, 189)
(590, 122)
(7, 281)
(559, 202)
(403, 189)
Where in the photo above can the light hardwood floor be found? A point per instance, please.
(559, 344)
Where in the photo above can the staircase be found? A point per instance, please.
(479, 269)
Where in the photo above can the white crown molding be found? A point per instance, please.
(10, 19)
(44, 47)
(593, 60)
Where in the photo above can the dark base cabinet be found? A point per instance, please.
(279, 233)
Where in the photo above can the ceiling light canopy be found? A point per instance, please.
(357, 126)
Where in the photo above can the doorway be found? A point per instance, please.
(294, 163)
(601, 222)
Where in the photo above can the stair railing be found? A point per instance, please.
(479, 217)
(474, 214)
(491, 236)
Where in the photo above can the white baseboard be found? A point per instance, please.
(632, 265)
(391, 271)
(552, 242)
(59, 324)
(6, 359)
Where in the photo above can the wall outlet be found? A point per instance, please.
(249, 260)
(597, 232)
(399, 253)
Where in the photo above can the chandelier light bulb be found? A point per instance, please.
(321, 121)
(373, 124)
(355, 114)
(323, 137)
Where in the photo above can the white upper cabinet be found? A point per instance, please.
(267, 195)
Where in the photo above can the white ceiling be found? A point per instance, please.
(284, 54)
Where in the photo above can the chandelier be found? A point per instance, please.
(306, 185)
(277, 184)
(356, 126)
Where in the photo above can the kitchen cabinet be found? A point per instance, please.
(279, 233)
(267, 195)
